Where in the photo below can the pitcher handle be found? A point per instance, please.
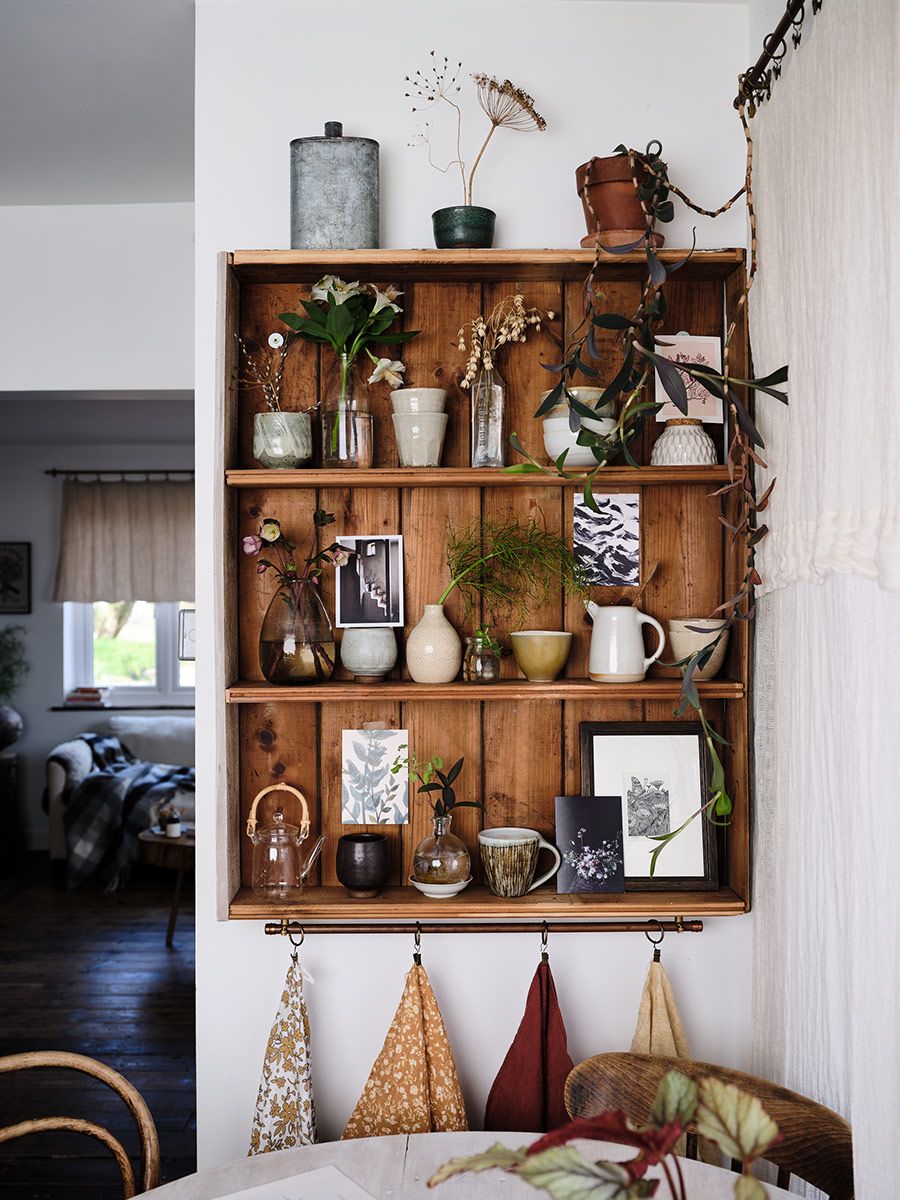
(279, 787)
(542, 845)
(643, 619)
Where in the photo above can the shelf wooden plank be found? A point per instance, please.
(461, 477)
(290, 266)
(339, 691)
(478, 903)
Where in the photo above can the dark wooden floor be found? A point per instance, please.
(91, 973)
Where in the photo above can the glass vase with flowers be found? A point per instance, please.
(296, 641)
(350, 318)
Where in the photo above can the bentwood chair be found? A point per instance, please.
(816, 1143)
(129, 1094)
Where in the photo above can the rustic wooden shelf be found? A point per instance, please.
(339, 691)
(567, 265)
(478, 903)
(459, 477)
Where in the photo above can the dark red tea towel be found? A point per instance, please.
(527, 1094)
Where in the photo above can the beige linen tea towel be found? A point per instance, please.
(285, 1110)
(413, 1085)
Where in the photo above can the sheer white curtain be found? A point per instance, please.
(126, 541)
(826, 1004)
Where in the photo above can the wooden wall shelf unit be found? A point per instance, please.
(520, 740)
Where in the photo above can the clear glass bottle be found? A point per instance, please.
(481, 663)
(488, 420)
(296, 641)
(441, 857)
(348, 428)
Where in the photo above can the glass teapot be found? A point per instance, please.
(277, 862)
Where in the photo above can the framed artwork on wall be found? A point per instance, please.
(659, 770)
(369, 588)
(15, 578)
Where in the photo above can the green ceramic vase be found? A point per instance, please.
(463, 227)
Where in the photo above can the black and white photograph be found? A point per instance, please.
(690, 348)
(660, 771)
(15, 578)
(589, 838)
(369, 586)
(608, 543)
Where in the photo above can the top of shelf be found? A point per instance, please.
(454, 477)
(298, 266)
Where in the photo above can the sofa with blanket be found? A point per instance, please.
(165, 739)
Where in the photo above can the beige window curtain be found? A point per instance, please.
(126, 541)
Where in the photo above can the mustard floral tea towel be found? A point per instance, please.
(285, 1111)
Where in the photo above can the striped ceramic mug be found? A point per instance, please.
(509, 857)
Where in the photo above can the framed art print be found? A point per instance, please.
(15, 578)
(690, 348)
(660, 771)
(369, 588)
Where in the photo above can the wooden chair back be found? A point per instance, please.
(816, 1143)
(129, 1094)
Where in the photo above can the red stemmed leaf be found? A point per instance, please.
(653, 1144)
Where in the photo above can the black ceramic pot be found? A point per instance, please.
(363, 863)
(463, 227)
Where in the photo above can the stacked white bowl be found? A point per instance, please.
(419, 425)
(558, 436)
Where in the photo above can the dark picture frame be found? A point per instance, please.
(701, 830)
(15, 579)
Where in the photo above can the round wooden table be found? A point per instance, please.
(177, 854)
(398, 1168)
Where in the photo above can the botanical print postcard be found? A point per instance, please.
(687, 348)
(370, 793)
(589, 838)
(607, 543)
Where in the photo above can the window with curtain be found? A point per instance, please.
(125, 569)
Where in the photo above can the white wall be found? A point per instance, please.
(270, 70)
(103, 298)
(29, 512)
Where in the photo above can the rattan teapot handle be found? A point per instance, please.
(279, 787)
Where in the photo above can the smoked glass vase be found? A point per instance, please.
(441, 857)
(296, 642)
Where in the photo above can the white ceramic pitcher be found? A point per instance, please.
(617, 648)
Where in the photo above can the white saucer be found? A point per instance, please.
(440, 891)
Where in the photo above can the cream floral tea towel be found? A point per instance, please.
(285, 1111)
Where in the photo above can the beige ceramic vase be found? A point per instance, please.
(433, 648)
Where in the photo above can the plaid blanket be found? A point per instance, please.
(106, 811)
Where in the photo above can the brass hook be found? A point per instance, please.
(655, 942)
(417, 945)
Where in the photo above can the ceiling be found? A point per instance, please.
(97, 419)
(96, 101)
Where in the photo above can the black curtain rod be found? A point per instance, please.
(96, 472)
(756, 81)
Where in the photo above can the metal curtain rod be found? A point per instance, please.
(755, 84)
(295, 928)
(96, 472)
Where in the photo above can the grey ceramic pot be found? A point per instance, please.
(463, 227)
(363, 863)
(10, 726)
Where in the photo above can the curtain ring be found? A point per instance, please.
(655, 942)
(417, 945)
(290, 936)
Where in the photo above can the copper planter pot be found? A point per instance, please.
(618, 217)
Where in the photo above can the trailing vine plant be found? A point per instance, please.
(635, 333)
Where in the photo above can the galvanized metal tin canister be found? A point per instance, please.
(334, 191)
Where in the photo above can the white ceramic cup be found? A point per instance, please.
(420, 438)
(509, 857)
(418, 400)
(558, 437)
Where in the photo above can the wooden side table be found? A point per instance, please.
(176, 854)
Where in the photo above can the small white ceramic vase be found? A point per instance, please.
(617, 648)
(369, 653)
(433, 648)
(282, 439)
(683, 443)
(420, 438)
(684, 640)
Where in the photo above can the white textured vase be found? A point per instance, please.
(433, 648)
(683, 443)
(282, 439)
(369, 653)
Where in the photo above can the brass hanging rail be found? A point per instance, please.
(95, 473)
(755, 84)
(298, 928)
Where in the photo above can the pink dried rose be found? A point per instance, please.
(252, 544)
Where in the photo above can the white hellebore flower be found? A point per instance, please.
(331, 288)
(391, 371)
(386, 299)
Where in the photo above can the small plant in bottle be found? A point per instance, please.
(441, 857)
